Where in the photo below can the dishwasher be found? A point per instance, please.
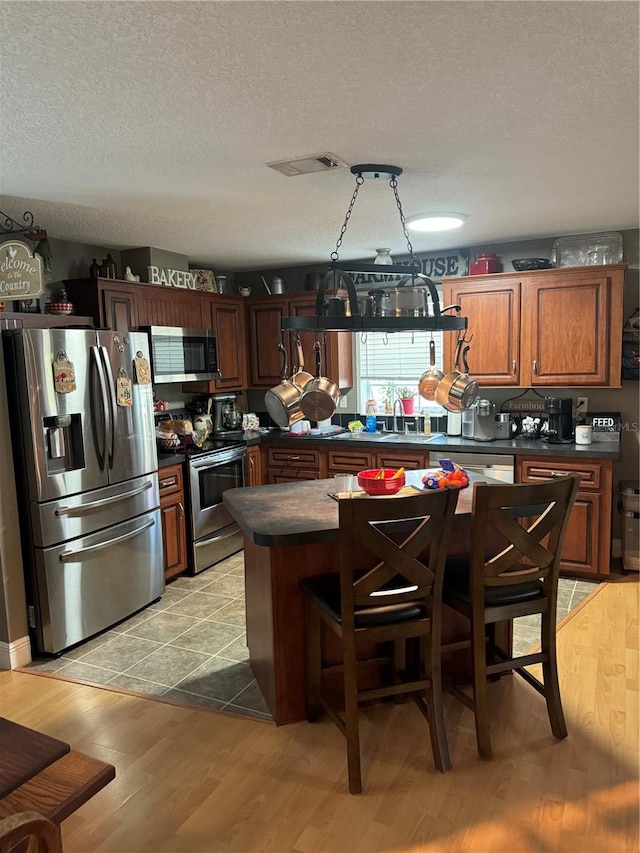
(485, 464)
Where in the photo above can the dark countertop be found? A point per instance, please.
(166, 459)
(302, 513)
(440, 442)
(436, 443)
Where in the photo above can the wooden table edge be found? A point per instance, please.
(61, 788)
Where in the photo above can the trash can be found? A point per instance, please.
(629, 508)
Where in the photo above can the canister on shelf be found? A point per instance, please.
(485, 262)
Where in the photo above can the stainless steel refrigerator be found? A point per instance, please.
(81, 406)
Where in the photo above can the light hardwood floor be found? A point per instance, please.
(197, 781)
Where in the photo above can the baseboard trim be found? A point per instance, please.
(15, 654)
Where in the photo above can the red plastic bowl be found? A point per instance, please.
(387, 486)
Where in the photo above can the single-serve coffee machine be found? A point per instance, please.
(479, 422)
(226, 417)
(560, 414)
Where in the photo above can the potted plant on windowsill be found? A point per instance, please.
(407, 398)
(389, 397)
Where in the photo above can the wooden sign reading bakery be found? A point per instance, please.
(21, 274)
(187, 280)
(172, 278)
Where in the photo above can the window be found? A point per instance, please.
(385, 363)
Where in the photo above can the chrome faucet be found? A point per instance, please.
(396, 402)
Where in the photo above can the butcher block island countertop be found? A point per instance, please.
(291, 533)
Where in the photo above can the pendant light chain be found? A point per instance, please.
(414, 262)
(359, 182)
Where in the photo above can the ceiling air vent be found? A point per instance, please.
(306, 165)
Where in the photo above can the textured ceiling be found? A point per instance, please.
(136, 124)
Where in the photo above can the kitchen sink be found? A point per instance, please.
(393, 437)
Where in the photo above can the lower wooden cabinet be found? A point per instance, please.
(254, 466)
(587, 547)
(172, 513)
(288, 465)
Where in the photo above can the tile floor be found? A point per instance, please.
(191, 645)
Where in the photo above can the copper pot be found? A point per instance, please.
(320, 396)
(283, 401)
(457, 392)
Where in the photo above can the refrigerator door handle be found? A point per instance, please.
(82, 508)
(76, 556)
(101, 451)
(112, 403)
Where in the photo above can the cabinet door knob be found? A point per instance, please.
(181, 511)
(514, 366)
(535, 367)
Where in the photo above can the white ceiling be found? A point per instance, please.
(149, 124)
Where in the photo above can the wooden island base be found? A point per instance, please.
(275, 618)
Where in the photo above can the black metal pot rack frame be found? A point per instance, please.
(338, 276)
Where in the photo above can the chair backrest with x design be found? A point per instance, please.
(408, 536)
(531, 519)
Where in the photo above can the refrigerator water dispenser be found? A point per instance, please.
(64, 443)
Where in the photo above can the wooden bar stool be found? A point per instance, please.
(519, 580)
(33, 832)
(391, 553)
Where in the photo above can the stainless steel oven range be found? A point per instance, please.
(215, 535)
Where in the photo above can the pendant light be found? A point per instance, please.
(339, 277)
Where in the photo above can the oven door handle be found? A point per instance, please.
(197, 464)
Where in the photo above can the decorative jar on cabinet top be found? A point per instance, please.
(485, 262)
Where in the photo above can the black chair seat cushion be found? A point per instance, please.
(324, 590)
(456, 585)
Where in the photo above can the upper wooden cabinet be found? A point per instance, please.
(558, 327)
(264, 320)
(225, 315)
(493, 310)
(111, 303)
(167, 306)
(227, 321)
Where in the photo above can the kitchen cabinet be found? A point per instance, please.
(124, 306)
(557, 327)
(225, 315)
(350, 461)
(347, 461)
(264, 320)
(296, 463)
(172, 514)
(254, 466)
(587, 547)
(168, 306)
(112, 304)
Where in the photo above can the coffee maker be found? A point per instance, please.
(479, 422)
(560, 419)
(226, 417)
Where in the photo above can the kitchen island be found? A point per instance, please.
(291, 533)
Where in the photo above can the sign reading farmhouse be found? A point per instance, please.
(20, 271)
(435, 266)
(172, 278)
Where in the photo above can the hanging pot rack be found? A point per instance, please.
(339, 276)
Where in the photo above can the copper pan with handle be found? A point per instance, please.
(457, 391)
(320, 396)
(300, 376)
(283, 401)
(431, 378)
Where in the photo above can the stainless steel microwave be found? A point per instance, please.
(182, 355)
